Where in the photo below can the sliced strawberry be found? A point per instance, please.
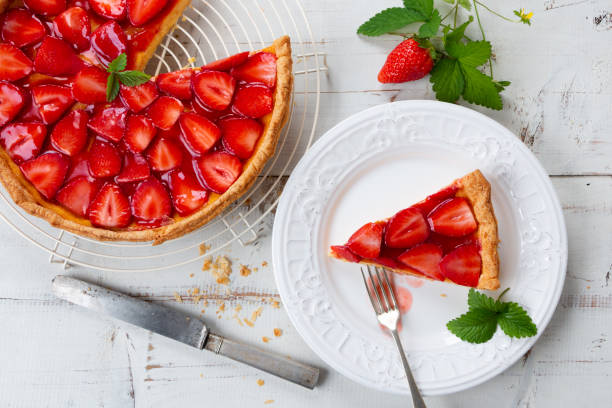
(138, 97)
(343, 252)
(425, 259)
(406, 228)
(14, 64)
(77, 194)
(139, 132)
(80, 167)
(109, 122)
(141, 11)
(366, 241)
(21, 28)
(150, 200)
(46, 7)
(110, 208)
(52, 101)
(254, 101)
(214, 89)
(108, 41)
(56, 58)
(23, 141)
(218, 170)
(165, 111)
(73, 27)
(177, 83)
(225, 64)
(199, 134)
(135, 168)
(104, 159)
(69, 136)
(11, 102)
(240, 135)
(260, 67)
(462, 265)
(210, 114)
(89, 85)
(164, 154)
(113, 9)
(46, 172)
(187, 194)
(453, 218)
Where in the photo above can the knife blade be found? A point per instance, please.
(180, 327)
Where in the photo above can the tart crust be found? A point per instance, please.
(477, 190)
(27, 197)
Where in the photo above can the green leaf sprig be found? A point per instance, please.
(117, 74)
(458, 59)
(479, 323)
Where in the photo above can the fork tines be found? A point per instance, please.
(379, 290)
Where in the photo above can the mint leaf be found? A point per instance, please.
(112, 87)
(515, 322)
(430, 28)
(447, 80)
(118, 64)
(465, 4)
(424, 7)
(475, 326)
(390, 19)
(478, 300)
(473, 54)
(133, 78)
(479, 88)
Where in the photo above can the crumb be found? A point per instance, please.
(260, 382)
(264, 264)
(202, 311)
(238, 307)
(278, 332)
(268, 401)
(201, 375)
(256, 313)
(204, 248)
(189, 291)
(244, 270)
(196, 291)
(197, 298)
(248, 322)
(205, 303)
(265, 339)
(191, 275)
(255, 269)
(276, 304)
(443, 294)
(588, 287)
(221, 308)
(222, 269)
(178, 297)
(218, 316)
(207, 263)
(238, 319)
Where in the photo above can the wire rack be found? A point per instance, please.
(208, 30)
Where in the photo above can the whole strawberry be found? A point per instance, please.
(407, 62)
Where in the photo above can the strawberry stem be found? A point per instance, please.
(483, 35)
(502, 294)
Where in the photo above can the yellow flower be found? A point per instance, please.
(525, 18)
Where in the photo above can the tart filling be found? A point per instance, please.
(449, 236)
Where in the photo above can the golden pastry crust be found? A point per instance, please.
(26, 196)
(477, 190)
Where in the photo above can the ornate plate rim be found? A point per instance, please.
(301, 170)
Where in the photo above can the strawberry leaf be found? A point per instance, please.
(390, 19)
(133, 78)
(112, 87)
(473, 54)
(447, 80)
(465, 4)
(479, 88)
(423, 7)
(118, 64)
(430, 28)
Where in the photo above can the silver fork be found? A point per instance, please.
(387, 313)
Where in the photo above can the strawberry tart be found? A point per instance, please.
(449, 236)
(149, 162)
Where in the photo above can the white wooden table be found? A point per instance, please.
(55, 355)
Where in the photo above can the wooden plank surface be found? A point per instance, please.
(54, 355)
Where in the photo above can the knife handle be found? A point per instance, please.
(271, 363)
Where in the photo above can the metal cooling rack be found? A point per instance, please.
(208, 30)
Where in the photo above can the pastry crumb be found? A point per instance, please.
(278, 332)
(201, 375)
(264, 264)
(202, 311)
(222, 269)
(256, 313)
(238, 307)
(244, 270)
(204, 248)
(191, 275)
(268, 401)
(443, 294)
(265, 339)
(178, 297)
(196, 291)
(248, 322)
(207, 263)
(221, 308)
(255, 269)
(276, 304)
(260, 382)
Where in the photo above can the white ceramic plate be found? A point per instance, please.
(370, 166)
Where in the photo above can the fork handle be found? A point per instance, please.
(417, 399)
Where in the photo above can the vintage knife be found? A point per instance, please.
(180, 327)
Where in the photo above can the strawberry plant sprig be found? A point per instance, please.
(440, 45)
(117, 74)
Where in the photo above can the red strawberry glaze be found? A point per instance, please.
(134, 157)
(426, 253)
